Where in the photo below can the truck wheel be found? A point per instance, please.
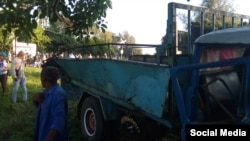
(92, 122)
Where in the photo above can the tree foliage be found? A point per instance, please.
(220, 5)
(129, 39)
(16, 17)
(59, 40)
(5, 40)
(41, 39)
(215, 5)
(99, 38)
(20, 16)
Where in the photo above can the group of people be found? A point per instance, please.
(39, 59)
(51, 103)
(17, 73)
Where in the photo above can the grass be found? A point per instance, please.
(17, 119)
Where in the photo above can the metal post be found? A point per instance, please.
(202, 23)
(189, 32)
(232, 22)
(223, 22)
(213, 22)
(121, 51)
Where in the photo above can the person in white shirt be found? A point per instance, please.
(71, 55)
(3, 71)
(18, 76)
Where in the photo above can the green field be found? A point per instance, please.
(17, 119)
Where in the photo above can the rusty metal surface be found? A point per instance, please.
(142, 85)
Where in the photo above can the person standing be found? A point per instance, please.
(3, 71)
(52, 108)
(71, 55)
(18, 76)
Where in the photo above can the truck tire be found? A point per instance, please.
(92, 122)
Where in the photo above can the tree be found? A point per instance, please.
(5, 40)
(220, 5)
(59, 41)
(20, 16)
(129, 39)
(40, 39)
(215, 5)
(98, 38)
(109, 37)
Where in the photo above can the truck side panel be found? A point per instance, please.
(143, 86)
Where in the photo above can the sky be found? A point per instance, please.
(146, 20)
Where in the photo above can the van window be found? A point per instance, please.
(218, 54)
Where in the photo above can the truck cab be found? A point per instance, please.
(218, 93)
(223, 87)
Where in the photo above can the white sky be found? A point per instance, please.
(146, 20)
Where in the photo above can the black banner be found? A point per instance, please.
(198, 132)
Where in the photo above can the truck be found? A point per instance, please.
(184, 95)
